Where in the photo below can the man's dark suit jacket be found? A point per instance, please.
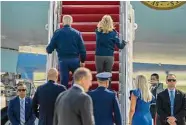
(45, 98)
(164, 109)
(14, 111)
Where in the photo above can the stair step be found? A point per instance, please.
(91, 56)
(91, 17)
(115, 76)
(90, 3)
(114, 85)
(89, 36)
(88, 27)
(89, 9)
(92, 67)
(91, 46)
(86, 15)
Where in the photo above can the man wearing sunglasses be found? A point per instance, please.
(171, 104)
(20, 108)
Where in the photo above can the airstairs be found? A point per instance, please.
(86, 15)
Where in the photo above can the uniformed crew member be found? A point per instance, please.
(69, 45)
(105, 102)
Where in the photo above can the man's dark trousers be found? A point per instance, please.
(66, 65)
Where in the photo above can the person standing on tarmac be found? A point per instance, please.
(45, 97)
(105, 102)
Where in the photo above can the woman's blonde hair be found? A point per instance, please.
(143, 85)
(106, 24)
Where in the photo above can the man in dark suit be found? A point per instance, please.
(171, 104)
(69, 45)
(74, 106)
(105, 102)
(45, 97)
(156, 88)
(20, 108)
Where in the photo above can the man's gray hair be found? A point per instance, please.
(81, 73)
(67, 20)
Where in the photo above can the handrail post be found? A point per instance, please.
(124, 61)
(53, 21)
(50, 33)
(127, 31)
(56, 26)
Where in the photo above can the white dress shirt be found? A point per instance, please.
(80, 87)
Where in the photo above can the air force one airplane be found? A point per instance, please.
(160, 35)
(159, 38)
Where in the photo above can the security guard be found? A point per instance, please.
(45, 96)
(69, 45)
(105, 102)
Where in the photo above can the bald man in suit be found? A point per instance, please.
(45, 97)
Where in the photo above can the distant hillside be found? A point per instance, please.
(158, 67)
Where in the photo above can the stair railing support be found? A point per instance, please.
(53, 21)
(50, 33)
(125, 70)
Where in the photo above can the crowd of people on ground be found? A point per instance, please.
(157, 106)
(57, 104)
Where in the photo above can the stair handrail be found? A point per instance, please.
(57, 5)
(50, 33)
(125, 70)
(53, 24)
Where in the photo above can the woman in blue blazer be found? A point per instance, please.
(106, 39)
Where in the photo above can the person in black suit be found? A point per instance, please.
(156, 87)
(45, 97)
(171, 104)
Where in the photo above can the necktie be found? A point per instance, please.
(172, 102)
(22, 112)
